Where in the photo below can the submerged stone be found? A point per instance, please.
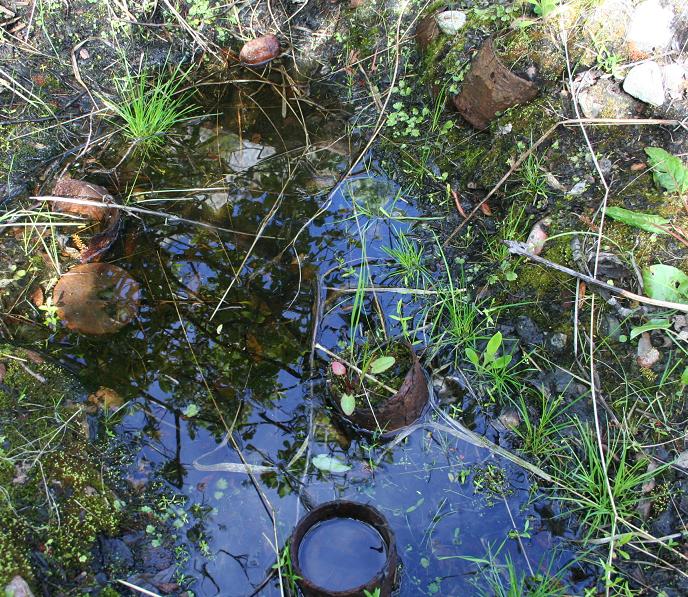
(260, 50)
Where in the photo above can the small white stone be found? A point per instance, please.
(18, 587)
(450, 21)
(644, 82)
(650, 29)
(675, 79)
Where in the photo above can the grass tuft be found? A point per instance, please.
(150, 106)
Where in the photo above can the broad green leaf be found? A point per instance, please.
(665, 283)
(653, 324)
(502, 361)
(493, 346)
(668, 170)
(648, 222)
(473, 357)
(684, 377)
(348, 404)
(329, 464)
(381, 364)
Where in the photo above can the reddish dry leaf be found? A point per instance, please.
(80, 189)
(638, 166)
(457, 203)
(37, 297)
(338, 368)
(109, 217)
(486, 209)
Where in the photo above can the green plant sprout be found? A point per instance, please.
(494, 369)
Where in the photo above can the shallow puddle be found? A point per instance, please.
(223, 342)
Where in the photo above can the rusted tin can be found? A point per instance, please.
(383, 579)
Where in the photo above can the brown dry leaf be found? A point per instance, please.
(37, 297)
(486, 209)
(97, 298)
(34, 357)
(106, 398)
(80, 189)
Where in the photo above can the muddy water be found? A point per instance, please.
(223, 341)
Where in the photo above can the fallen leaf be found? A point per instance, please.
(329, 464)
(348, 404)
(381, 364)
(96, 298)
(647, 222)
(538, 236)
(37, 297)
(106, 398)
(80, 189)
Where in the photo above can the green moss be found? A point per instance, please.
(41, 421)
(86, 510)
(540, 282)
(14, 554)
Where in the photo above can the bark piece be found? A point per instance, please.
(490, 87)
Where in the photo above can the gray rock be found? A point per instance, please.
(675, 77)
(612, 328)
(528, 331)
(451, 22)
(18, 587)
(644, 82)
(556, 342)
(116, 554)
(650, 28)
(605, 99)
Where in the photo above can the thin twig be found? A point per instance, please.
(518, 248)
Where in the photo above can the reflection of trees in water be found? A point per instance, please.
(265, 320)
